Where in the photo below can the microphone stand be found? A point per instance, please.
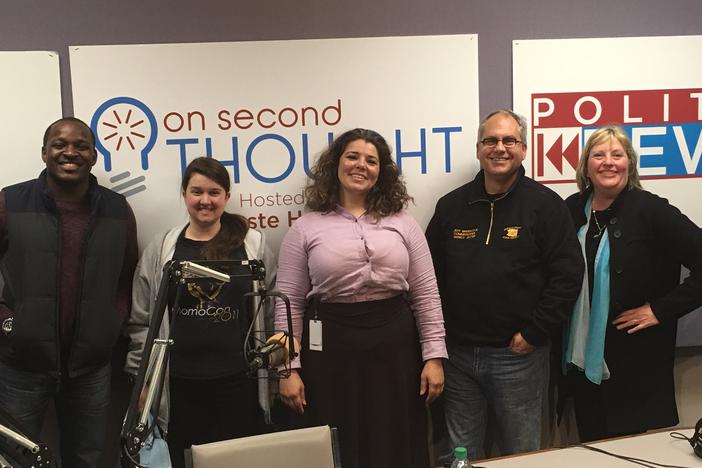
(135, 428)
(19, 448)
(259, 297)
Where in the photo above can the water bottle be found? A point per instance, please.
(460, 458)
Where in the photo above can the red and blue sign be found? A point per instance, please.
(665, 127)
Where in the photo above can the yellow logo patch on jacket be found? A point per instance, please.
(462, 234)
(511, 232)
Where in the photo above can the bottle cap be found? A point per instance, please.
(460, 453)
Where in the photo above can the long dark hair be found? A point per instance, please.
(234, 227)
(388, 195)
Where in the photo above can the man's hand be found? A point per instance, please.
(519, 345)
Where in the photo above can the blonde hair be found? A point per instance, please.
(603, 134)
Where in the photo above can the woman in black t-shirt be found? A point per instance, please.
(207, 396)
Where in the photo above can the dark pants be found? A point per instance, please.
(204, 411)
(82, 407)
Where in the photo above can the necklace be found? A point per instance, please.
(600, 229)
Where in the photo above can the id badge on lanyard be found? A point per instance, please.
(315, 335)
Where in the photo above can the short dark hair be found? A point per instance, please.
(68, 119)
(521, 122)
(388, 195)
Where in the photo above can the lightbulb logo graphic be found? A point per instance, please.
(123, 127)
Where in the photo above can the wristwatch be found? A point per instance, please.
(7, 326)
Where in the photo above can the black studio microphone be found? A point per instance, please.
(696, 439)
(269, 356)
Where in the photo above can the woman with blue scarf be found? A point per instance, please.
(620, 342)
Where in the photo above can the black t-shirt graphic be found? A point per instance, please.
(208, 324)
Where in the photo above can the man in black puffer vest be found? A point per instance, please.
(68, 251)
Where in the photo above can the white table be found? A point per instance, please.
(659, 447)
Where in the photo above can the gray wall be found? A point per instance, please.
(56, 24)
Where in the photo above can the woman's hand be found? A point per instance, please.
(281, 340)
(431, 382)
(636, 319)
(292, 392)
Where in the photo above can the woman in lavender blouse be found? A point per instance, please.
(365, 307)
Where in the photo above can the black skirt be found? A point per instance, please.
(365, 382)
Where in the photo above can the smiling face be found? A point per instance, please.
(500, 163)
(608, 167)
(69, 155)
(205, 200)
(359, 167)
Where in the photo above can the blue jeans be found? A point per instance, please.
(82, 406)
(482, 382)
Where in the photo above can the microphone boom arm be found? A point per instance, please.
(20, 448)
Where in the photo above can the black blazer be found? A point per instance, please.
(649, 240)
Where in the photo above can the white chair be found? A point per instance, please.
(313, 447)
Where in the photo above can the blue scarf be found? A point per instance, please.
(585, 334)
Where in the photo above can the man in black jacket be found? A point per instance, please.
(67, 255)
(509, 270)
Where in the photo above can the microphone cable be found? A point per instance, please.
(696, 439)
(249, 348)
(638, 461)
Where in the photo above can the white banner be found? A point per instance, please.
(651, 86)
(266, 110)
(30, 98)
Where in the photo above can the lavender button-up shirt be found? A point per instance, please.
(340, 258)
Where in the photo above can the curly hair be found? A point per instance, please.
(388, 195)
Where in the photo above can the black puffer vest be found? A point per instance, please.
(29, 265)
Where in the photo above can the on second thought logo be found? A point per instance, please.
(125, 128)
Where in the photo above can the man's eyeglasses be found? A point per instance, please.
(507, 142)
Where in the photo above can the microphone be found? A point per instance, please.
(196, 270)
(696, 439)
(274, 353)
(269, 356)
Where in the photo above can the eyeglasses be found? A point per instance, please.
(507, 142)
